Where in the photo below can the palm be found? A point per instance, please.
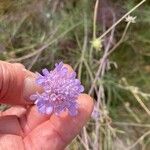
(27, 129)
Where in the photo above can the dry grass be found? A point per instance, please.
(110, 57)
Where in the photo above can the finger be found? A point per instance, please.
(10, 125)
(19, 65)
(9, 122)
(33, 118)
(16, 84)
(14, 110)
(58, 131)
(9, 141)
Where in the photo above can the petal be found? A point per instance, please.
(49, 110)
(59, 66)
(45, 72)
(72, 75)
(42, 109)
(33, 97)
(81, 88)
(40, 80)
(64, 71)
(59, 109)
(73, 111)
(77, 81)
(40, 103)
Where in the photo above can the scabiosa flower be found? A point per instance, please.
(61, 90)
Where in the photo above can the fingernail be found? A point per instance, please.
(30, 87)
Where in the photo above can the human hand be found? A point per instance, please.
(22, 127)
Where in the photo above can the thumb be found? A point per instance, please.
(16, 84)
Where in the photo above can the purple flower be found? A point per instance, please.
(61, 90)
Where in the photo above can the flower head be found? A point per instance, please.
(97, 43)
(61, 90)
(130, 19)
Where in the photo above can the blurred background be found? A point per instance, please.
(111, 58)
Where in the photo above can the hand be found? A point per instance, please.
(22, 127)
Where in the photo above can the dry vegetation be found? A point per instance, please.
(111, 57)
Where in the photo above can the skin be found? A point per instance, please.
(22, 127)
